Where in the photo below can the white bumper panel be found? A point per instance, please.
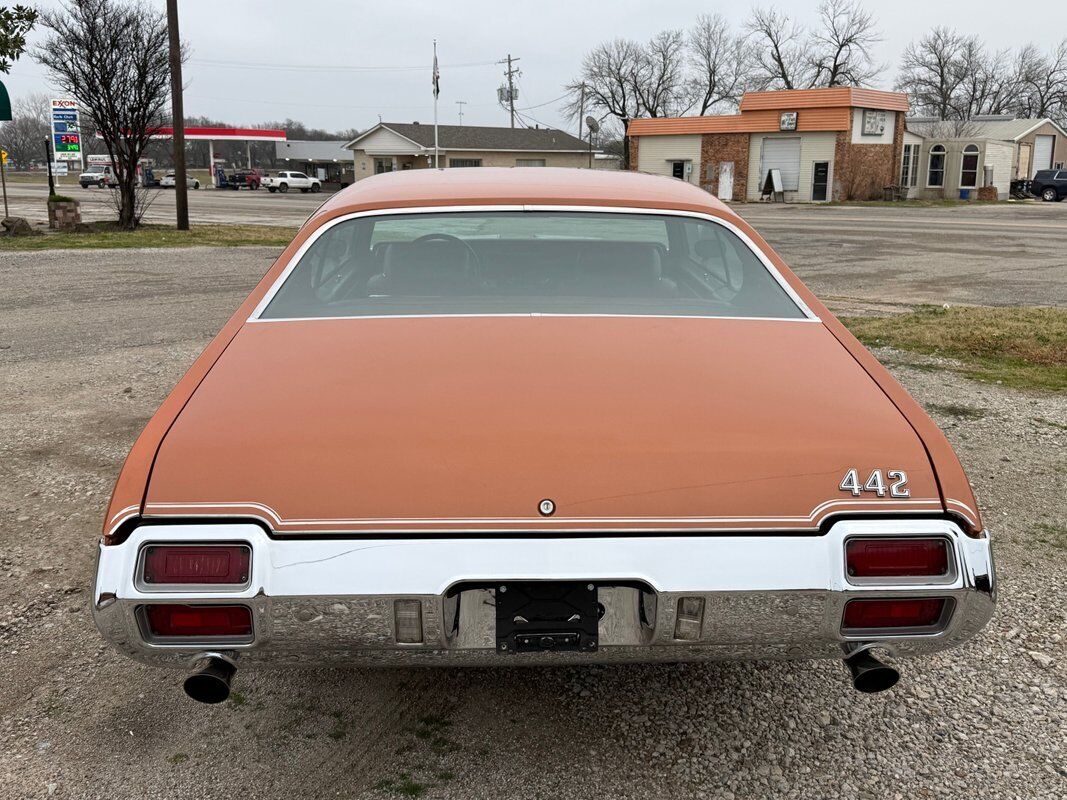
(330, 600)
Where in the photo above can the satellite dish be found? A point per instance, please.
(592, 125)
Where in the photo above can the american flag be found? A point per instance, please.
(436, 73)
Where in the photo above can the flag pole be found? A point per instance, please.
(436, 92)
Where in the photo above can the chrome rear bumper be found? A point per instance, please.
(331, 601)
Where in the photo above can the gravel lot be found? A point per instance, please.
(89, 345)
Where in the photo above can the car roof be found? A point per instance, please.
(545, 186)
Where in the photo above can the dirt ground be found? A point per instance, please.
(90, 344)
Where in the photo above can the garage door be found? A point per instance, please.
(1042, 152)
(784, 155)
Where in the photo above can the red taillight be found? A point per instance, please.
(196, 564)
(906, 612)
(199, 621)
(896, 558)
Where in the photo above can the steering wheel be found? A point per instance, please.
(472, 257)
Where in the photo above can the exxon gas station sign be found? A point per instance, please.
(66, 130)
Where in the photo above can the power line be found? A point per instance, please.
(212, 62)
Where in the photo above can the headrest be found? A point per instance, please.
(427, 268)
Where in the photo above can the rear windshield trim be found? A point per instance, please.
(256, 316)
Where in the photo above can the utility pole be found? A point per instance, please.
(510, 75)
(461, 103)
(48, 161)
(181, 193)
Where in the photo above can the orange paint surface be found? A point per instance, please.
(449, 423)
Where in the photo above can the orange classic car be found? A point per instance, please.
(536, 416)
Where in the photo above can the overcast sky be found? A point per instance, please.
(339, 64)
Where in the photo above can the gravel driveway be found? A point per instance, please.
(90, 344)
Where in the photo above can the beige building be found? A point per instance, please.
(391, 146)
(947, 159)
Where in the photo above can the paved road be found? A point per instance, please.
(1011, 254)
(87, 354)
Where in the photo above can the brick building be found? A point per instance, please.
(828, 144)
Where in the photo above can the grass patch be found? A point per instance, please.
(238, 699)
(1021, 347)
(1059, 426)
(405, 786)
(178, 758)
(103, 235)
(933, 203)
(957, 411)
(340, 729)
(1052, 534)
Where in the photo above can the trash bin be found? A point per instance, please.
(965, 194)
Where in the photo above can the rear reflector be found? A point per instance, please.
(199, 621)
(201, 565)
(906, 612)
(408, 617)
(690, 618)
(896, 558)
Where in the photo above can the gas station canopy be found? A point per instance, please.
(225, 134)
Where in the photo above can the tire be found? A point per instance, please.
(196, 184)
(303, 191)
(271, 189)
(253, 186)
(283, 187)
(316, 188)
(1049, 195)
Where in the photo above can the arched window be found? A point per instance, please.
(969, 167)
(935, 175)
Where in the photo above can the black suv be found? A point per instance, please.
(1050, 184)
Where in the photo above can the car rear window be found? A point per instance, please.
(530, 262)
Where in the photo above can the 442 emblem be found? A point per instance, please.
(894, 483)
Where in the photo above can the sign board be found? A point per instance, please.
(787, 121)
(66, 131)
(772, 186)
(874, 122)
(59, 169)
(3, 156)
(98, 159)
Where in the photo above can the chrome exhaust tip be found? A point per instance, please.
(209, 682)
(869, 675)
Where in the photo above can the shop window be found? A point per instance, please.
(909, 166)
(935, 174)
(969, 167)
(529, 162)
(464, 162)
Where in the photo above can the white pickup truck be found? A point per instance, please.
(284, 181)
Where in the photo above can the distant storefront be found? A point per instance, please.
(328, 161)
(947, 159)
(824, 144)
(394, 146)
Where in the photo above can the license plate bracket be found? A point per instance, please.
(546, 616)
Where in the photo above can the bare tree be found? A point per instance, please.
(660, 80)
(841, 47)
(29, 127)
(782, 54)
(988, 81)
(113, 58)
(931, 73)
(605, 86)
(1041, 82)
(720, 64)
